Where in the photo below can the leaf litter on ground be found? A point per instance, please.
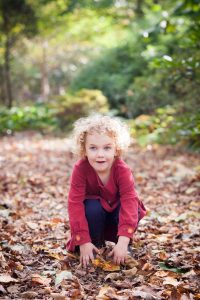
(34, 228)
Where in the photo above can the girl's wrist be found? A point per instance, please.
(123, 240)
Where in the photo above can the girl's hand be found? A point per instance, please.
(86, 253)
(119, 251)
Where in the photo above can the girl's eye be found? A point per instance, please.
(92, 148)
(107, 148)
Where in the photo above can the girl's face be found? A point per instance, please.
(100, 150)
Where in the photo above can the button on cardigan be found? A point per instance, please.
(86, 184)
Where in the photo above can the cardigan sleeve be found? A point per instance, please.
(128, 216)
(77, 219)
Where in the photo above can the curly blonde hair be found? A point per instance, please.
(104, 125)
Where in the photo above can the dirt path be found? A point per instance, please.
(34, 174)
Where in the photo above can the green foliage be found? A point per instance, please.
(187, 129)
(141, 55)
(159, 66)
(112, 73)
(17, 17)
(167, 267)
(58, 114)
(146, 94)
(71, 107)
(168, 126)
(29, 117)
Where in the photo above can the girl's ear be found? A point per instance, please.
(117, 152)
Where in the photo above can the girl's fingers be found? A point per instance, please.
(96, 249)
(110, 254)
(91, 257)
(115, 259)
(118, 260)
(85, 261)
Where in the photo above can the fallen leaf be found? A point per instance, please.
(18, 248)
(57, 296)
(112, 276)
(36, 278)
(63, 275)
(164, 266)
(110, 267)
(161, 273)
(144, 295)
(130, 262)
(2, 290)
(5, 213)
(56, 255)
(170, 281)
(190, 273)
(191, 190)
(147, 267)
(40, 248)
(13, 289)
(29, 295)
(107, 266)
(57, 220)
(163, 255)
(19, 267)
(32, 225)
(6, 278)
(130, 272)
(102, 293)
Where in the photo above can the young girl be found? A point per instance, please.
(102, 201)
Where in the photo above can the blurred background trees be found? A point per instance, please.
(64, 59)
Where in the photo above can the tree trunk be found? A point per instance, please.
(9, 98)
(2, 86)
(139, 11)
(45, 87)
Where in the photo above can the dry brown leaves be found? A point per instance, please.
(34, 264)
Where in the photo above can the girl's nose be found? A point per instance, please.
(100, 153)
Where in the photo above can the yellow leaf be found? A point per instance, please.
(110, 267)
(40, 248)
(56, 255)
(163, 255)
(107, 266)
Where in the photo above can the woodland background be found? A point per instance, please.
(139, 60)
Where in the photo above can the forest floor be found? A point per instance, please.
(34, 180)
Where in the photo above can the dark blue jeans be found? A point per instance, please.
(102, 224)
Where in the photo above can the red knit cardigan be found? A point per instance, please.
(86, 184)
